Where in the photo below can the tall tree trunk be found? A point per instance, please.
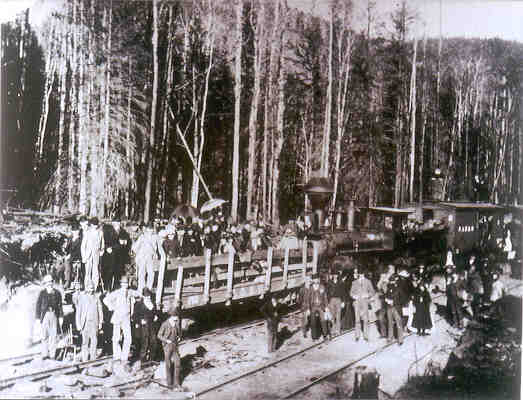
(199, 141)
(150, 158)
(412, 107)
(328, 106)
(128, 155)
(344, 53)
(237, 105)
(161, 202)
(107, 117)
(83, 121)
(73, 125)
(253, 117)
(278, 142)
(61, 122)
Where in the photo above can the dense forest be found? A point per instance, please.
(128, 108)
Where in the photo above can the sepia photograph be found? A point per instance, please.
(261, 199)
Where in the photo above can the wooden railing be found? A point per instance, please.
(281, 265)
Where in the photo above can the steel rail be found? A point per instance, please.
(80, 365)
(279, 360)
(353, 362)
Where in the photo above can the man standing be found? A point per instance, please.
(120, 302)
(382, 291)
(89, 318)
(361, 291)
(50, 313)
(170, 335)
(337, 296)
(144, 315)
(305, 300)
(92, 249)
(271, 311)
(393, 306)
(109, 256)
(454, 303)
(148, 251)
(319, 307)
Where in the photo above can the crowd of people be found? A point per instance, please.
(114, 304)
(121, 309)
(398, 298)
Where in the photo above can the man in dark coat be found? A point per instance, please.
(108, 259)
(73, 257)
(170, 335)
(454, 303)
(337, 296)
(271, 310)
(319, 306)
(50, 313)
(144, 315)
(393, 306)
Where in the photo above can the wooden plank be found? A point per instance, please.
(179, 284)
(268, 274)
(286, 267)
(207, 278)
(230, 275)
(161, 274)
(304, 257)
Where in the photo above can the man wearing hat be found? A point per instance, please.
(49, 311)
(120, 303)
(361, 291)
(148, 250)
(144, 315)
(92, 249)
(305, 300)
(170, 335)
(319, 307)
(89, 318)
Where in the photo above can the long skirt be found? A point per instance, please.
(422, 319)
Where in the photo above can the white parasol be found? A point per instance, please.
(211, 205)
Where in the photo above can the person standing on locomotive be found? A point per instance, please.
(170, 335)
(89, 319)
(148, 251)
(50, 313)
(305, 300)
(319, 308)
(361, 291)
(92, 249)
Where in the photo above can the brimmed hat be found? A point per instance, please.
(146, 292)
(47, 279)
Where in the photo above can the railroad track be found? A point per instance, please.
(136, 383)
(212, 390)
(77, 367)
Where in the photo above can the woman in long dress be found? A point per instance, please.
(422, 319)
